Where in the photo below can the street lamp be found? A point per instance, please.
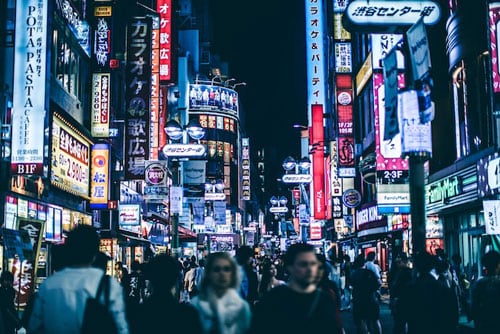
(177, 148)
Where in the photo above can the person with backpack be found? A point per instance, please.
(366, 310)
(192, 279)
(63, 298)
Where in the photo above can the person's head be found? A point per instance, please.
(220, 272)
(269, 269)
(402, 260)
(135, 266)
(359, 262)
(162, 271)
(491, 262)
(82, 245)
(59, 257)
(6, 279)
(424, 262)
(302, 264)
(370, 256)
(201, 263)
(101, 261)
(456, 259)
(323, 270)
(244, 255)
(347, 258)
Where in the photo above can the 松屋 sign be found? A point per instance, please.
(28, 112)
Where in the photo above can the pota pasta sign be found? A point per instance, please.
(70, 158)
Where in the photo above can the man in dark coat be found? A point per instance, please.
(427, 305)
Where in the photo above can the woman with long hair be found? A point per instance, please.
(221, 308)
(268, 279)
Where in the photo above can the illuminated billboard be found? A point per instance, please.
(99, 168)
(164, 8)
(155, 90)
(245, 156)
(28, 112)
(70, 158)
(100, 104)
(216, 98)
(318, 166)
(315, 53)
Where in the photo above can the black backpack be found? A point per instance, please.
(97, 318)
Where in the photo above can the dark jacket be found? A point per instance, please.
(282, 310)
(428, 307)
(161, 313)
(485, 304)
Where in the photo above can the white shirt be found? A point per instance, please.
(61, 300)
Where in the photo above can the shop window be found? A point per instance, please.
(65, 65)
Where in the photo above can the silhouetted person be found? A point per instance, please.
(249, 279)
(161, 310)
(427, 305)
(486, 295)
(400, 276)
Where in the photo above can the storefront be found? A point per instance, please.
(454, 211)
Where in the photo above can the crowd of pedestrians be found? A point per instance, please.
(297, 292)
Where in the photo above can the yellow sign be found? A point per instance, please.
(70, 158)
(101, 11)
(364, 74)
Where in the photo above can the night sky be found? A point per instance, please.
(264, 43)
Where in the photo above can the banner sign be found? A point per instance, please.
(417, 137)
(381, 45)
(343, 57)
(494, 9)
(219, 212)
(315, 231)
(100, 104)
(176, 195)
(388, 151)
(343, 104)
(70, 158)
(194, 171)
(155, 90)
(137, 97)
(164, 8)
(418, 45)
(28, 111)
(391, 125)
(492, 216)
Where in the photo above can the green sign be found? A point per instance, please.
(442, 190)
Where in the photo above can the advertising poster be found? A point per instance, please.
(318, 163)
(70, 158)
(216, 98)
(488, 175)
(492, 216)
(100, 104)
(129, 214)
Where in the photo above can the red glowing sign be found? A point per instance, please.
(164, 8)
(317, 142)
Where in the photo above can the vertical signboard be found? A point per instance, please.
(317, 141)
(28, 112)
(99, 181)
(316, 81)
(137, 96)
(164, 8)
(102, 39)
(343, 102)
(100, 104)
(245, 156)
(155, 88)
(418, 45)
(391, 125)
(494, 11)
